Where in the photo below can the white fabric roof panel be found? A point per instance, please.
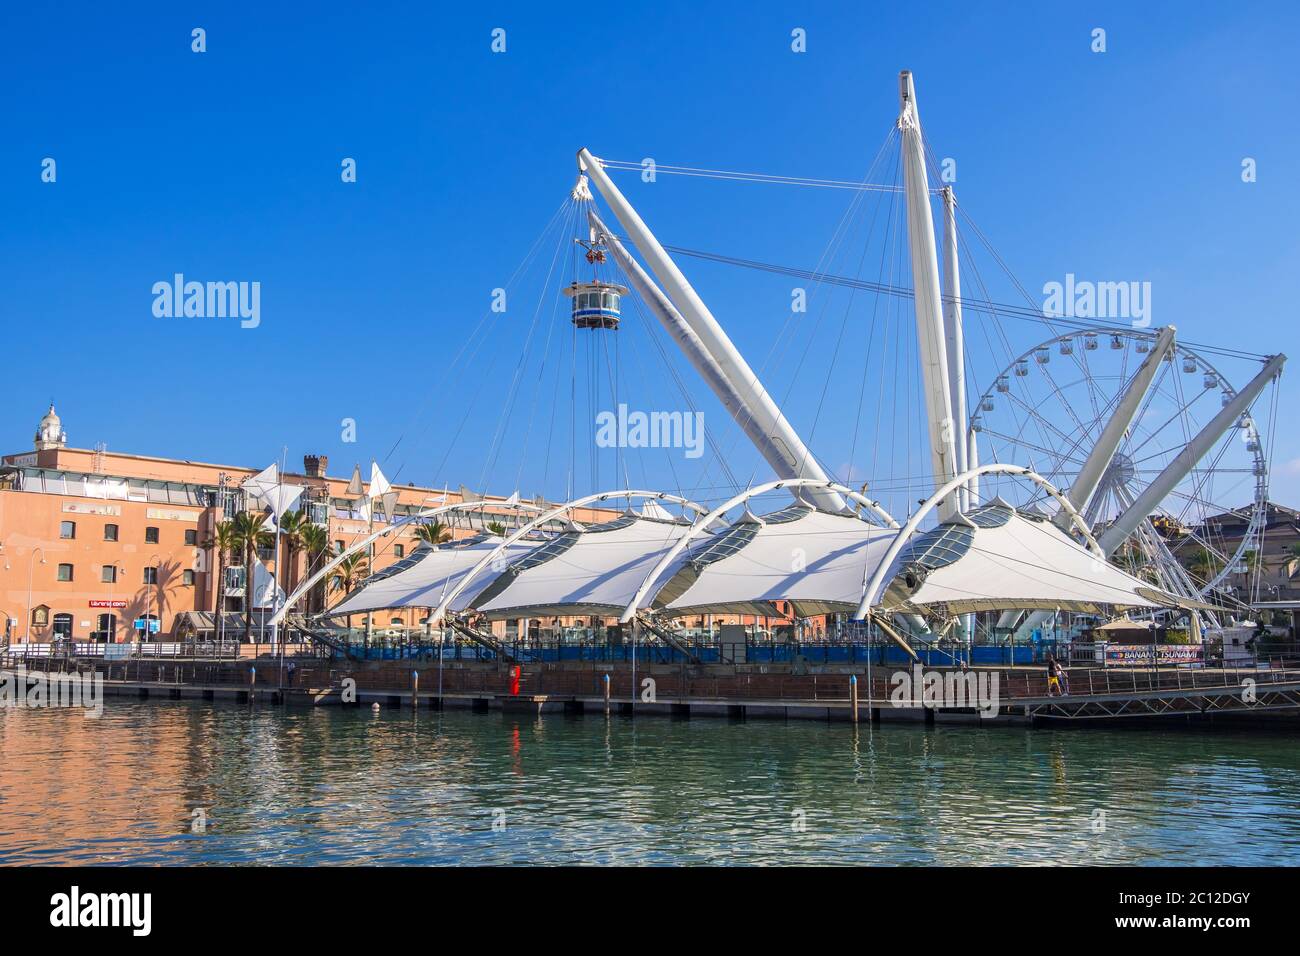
(429, 575)
(997, 558)
(593, 570)
(815, 559)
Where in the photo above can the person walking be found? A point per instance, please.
(1053, 676)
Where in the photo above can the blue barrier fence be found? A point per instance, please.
(654, 652)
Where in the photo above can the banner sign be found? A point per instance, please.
(100, 603)
(1140, 654)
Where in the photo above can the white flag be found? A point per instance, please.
(282, 498)
(379, 485)
(266, 593)
(261, 483)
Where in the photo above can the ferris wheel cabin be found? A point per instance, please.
(596, 305)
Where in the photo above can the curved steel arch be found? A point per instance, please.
(635, 604)
(369, 539)
(871, 586)
(551, 515)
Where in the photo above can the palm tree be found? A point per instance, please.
(1203, 564)
(222, 542)
(433, 532)
(250, 535)
(350, 572)
(496, 528)
(316, 542)
(291, 527)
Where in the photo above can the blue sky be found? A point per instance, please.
(225, 165)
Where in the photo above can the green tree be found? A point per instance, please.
(250, 535)
(292, 524)
(221, 542)
(316, 543)
(349, 573)
(433, 532)
(1203, 564)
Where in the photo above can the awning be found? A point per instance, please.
(592, 570)
(425, 577)
(997, 558)
(814, 559)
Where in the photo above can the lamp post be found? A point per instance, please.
(110, 634)
(31, 568)
(148, 600)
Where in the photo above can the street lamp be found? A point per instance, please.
(148, 600)
(110, 633)
(31, 568)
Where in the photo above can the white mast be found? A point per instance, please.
(953, 337)
(930, 331)
(1103, 453)
(780, 439)
(1093, 471)
(1187, 459)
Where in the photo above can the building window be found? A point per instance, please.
(396, 621)
(110, 532)
(399, 551)
(187, 577)
(65, 572)
(67, 529)
(150, 575)
(105, 628)
(150, 535)
(63, 625)
(108, 574)
(191, 537)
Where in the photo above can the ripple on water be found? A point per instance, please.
(350, 787)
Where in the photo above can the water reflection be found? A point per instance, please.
(349, 787)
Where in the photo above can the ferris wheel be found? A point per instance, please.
(1047, 409)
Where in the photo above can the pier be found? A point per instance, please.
(832, 694)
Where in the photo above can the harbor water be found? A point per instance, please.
(180, 782)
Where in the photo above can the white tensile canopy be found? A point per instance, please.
(425, 577)
(813, 558)
(997, 558)
(586, 570)
(994, 558)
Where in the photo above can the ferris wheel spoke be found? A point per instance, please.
(1037, 416)
(1034, 446)
(1180, 414)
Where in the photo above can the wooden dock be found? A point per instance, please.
(1230, 695)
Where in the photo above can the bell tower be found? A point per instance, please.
(50, 433)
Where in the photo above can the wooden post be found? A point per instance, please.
(252, 682)
(415, 690)
(606, 695)
(853, 695)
